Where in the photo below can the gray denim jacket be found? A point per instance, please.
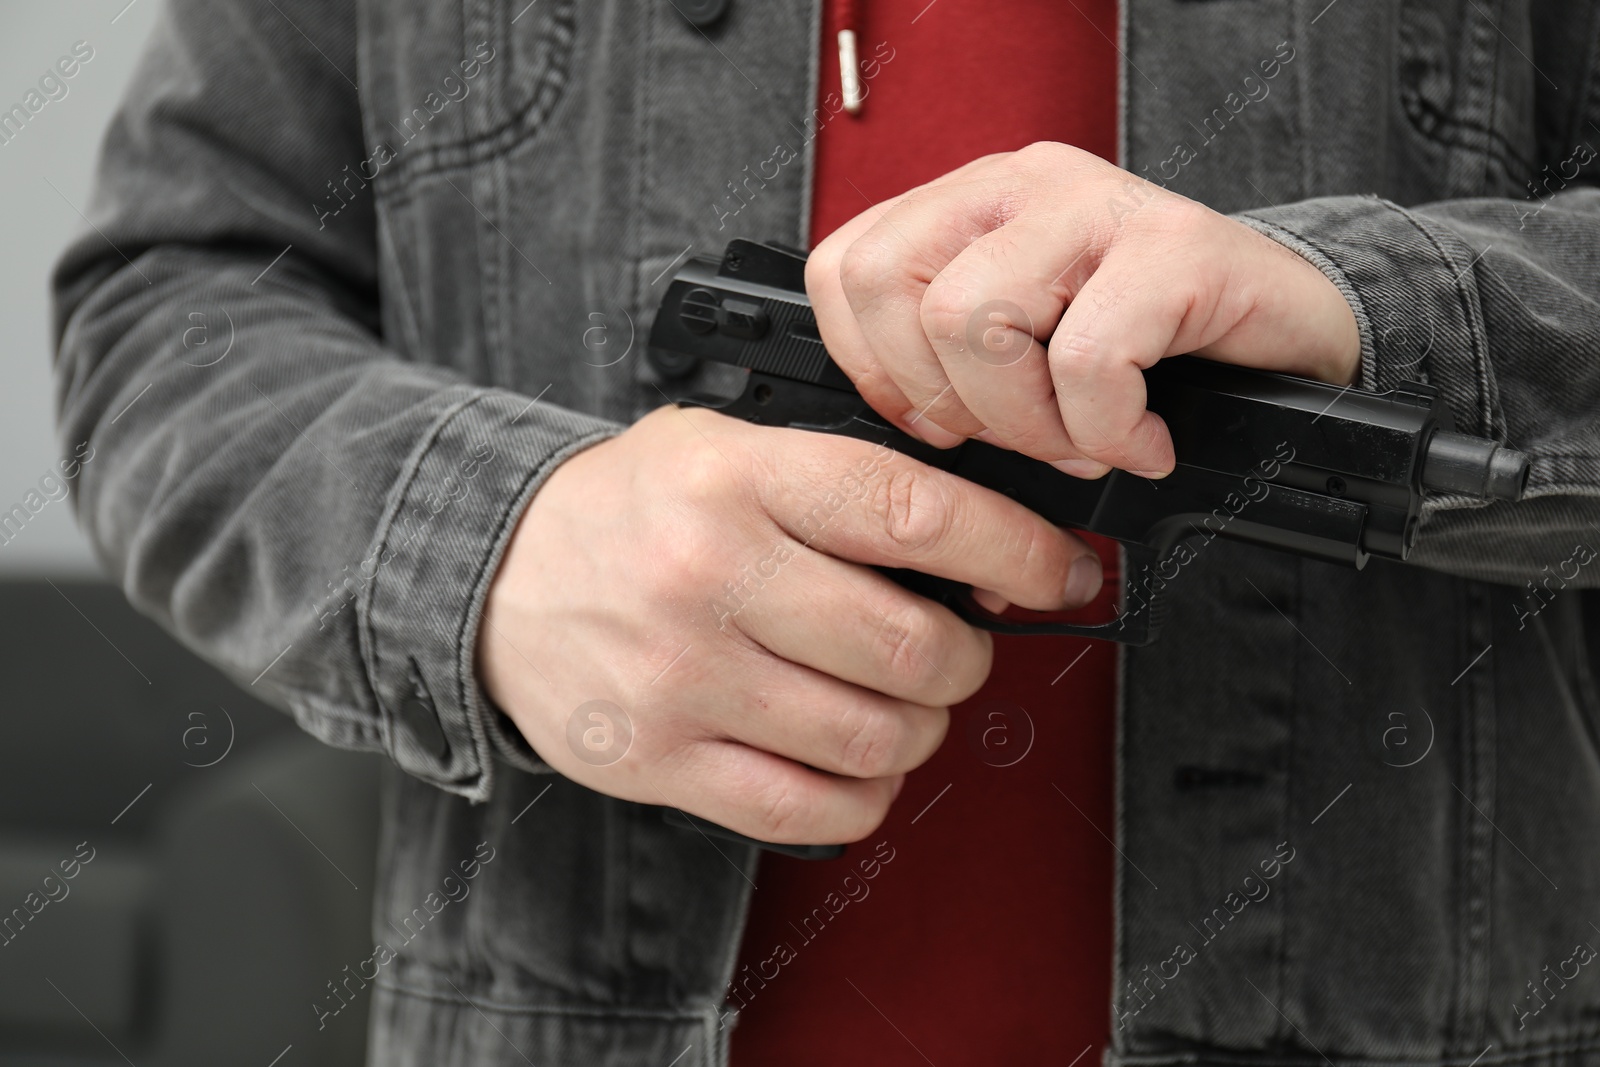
(339, 321)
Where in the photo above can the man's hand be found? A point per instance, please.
(1017, 299)
(707, 579)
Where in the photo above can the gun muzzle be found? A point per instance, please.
(1473, 466)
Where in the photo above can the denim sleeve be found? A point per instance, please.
(295, 502)
(1496, 303)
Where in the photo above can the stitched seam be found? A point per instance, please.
(1480, 343)
(1446, 132)
(1586, 102)
(1304, 110)
(1473, 995)
(633, 250)
(558, 39)
(808, 150)
(1287, 808)
(368, 630)
(1119, 873)
(405, 989)
(1293, 240)
(1463, 835)
(1493, 57)
(1580, 1042)
(1119, 888)
(466, 689)
(1460, 865)
(1415, 104)
(1478, 869)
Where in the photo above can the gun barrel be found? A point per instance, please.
(1457, 463)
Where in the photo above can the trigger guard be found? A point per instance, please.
(1136, 626)
(1123, 629)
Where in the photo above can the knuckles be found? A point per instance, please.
(1077, 357)
(1043, 437)
(871, 743)
(908, 645)
(1051, 163)
(776, 808)
(695, 505)
(711, 465)
(702, 478)
(865, 267)
(782, 810)
(1171, 216)
(1047, 157)
(946, 311)
(822, 267)
(1045, 561)
(690, 557)
(913, 510)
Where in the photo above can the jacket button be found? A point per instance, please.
(702, 14)
(417, 711)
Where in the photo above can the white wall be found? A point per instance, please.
(58, 146)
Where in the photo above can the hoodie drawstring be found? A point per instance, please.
(849, 68)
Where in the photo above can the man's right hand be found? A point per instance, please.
(711, 580)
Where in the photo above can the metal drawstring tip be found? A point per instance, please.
(849, 72)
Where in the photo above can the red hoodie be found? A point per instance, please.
(975, 926)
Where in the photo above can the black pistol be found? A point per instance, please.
(1328, 472)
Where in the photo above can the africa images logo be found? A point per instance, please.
(599, 732)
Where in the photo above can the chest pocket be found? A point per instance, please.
(1467, 86)
(454, 85)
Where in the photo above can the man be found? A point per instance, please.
(1352, 808)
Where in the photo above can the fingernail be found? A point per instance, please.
(1151, 474)
(1088, 469)
(1084, 579)
(934, 434)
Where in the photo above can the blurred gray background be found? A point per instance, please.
(182, 872)
(58, 146)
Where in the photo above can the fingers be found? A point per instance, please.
(986, 315)
(867, 256)
(984, 307)
(889, 510)
(842, 335)
(833, 726)
(885, 274)
(856, 625)
(772, 798)
(990, 309)
(1080, 403)
(1126, 318)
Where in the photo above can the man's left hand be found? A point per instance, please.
(1017, 299)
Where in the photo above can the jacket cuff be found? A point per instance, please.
(1412, 287)
(439, 545)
